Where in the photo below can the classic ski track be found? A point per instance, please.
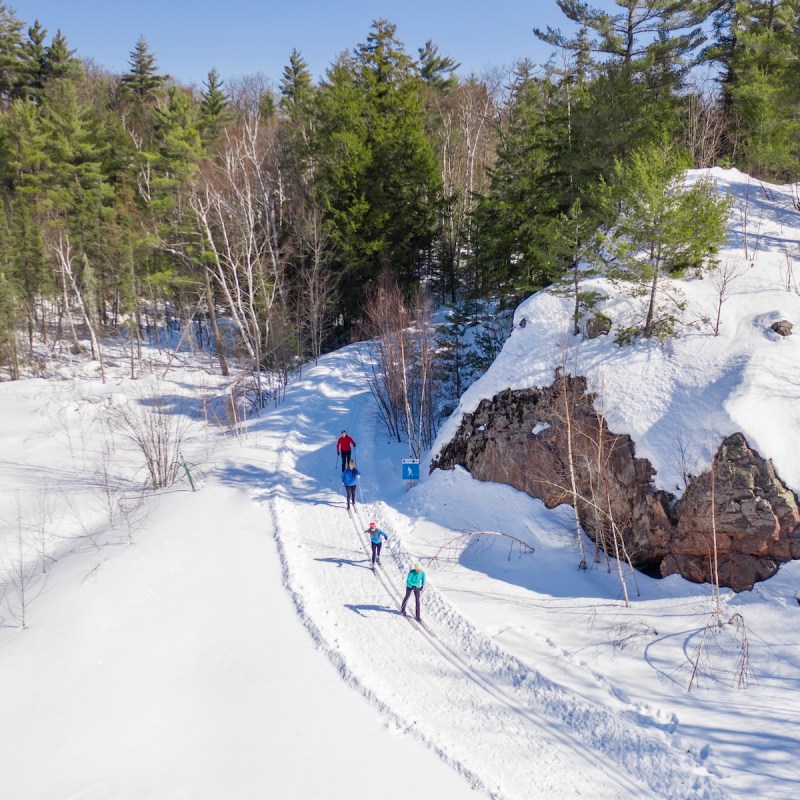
(563, 742)
(336, 658)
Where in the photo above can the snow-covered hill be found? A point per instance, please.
(233, 642)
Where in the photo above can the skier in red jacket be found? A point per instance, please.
(344, 444)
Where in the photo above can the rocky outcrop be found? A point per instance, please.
(553, 444)
(753, 515)
(782, 327)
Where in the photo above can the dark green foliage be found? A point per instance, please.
(390, 163)
(758, 48)
(142, 80)
(661, 228)
(12, 53)
(513, 221)
(214, 111)
(437, 71)
(377, 173)
(297, 87)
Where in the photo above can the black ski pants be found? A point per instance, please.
(417, 591)
(350, 492)
(345, 459)
(376, 551)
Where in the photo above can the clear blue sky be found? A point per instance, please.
(242, 37)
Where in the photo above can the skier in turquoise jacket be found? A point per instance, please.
(415, 582)
(350, 481)
(375, 534)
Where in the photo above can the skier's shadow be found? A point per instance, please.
(359, 609)
(341, 562)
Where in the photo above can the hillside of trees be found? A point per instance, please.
(279, 203)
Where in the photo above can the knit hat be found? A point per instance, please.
(373, 525)
(417, 568)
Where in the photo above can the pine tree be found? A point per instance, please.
(437, 71)
(214, 113)
(662, 227)
(757, 45)
(377, 174)
(297, 102)
(297, 87)
(12, 54)
(641, 57)
(142, 80)
(512, 221)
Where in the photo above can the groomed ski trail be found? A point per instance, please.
(509, 731)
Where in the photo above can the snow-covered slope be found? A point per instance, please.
(696, 388)
(233, 641)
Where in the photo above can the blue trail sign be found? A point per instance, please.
(410, 469)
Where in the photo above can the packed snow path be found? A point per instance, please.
(508, 730)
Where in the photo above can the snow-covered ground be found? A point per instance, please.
(233, 642)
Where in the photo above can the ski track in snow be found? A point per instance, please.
(504, 727)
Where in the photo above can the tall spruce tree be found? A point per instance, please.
(142, 80)
(214, 112)
(12, 54)
(526, 191)
(377, 174)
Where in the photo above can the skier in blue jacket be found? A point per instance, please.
(350, 481)
(415, 582)
(375, 534)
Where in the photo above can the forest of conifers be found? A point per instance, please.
(277, 202)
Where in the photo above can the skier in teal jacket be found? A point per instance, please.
(415, 582)
(375, 534)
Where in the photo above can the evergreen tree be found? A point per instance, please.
(377, 176)
(297, 87)
(214, 112)
(758, 47)
(45, 63)
(662, 227)
(437, 71)
(59, 61)
(641, 57)
(12, 54)
(512, 221)
(297, 103)
(35, 53)
(142, 80)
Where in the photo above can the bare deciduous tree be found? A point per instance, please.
(317, 282)
(236, 206)
(724, 275)
(402, 374)
(62, 249)
(157, 429)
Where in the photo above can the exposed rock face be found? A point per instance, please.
(525, 438)
(598, 325)
(754, 515)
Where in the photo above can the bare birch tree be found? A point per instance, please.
(235, 205)
(62, 249)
